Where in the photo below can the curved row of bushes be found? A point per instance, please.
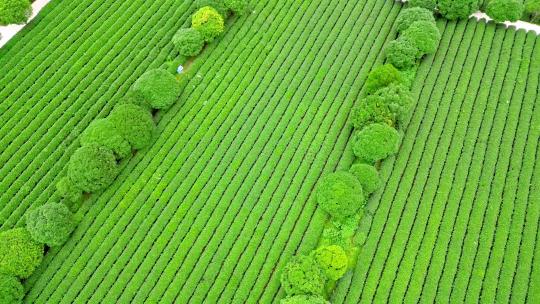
(385, 103)
(106, 141)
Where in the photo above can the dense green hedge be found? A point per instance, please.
(457, 9)
(50, 224)
(188, 41)
(504, 10)
(303, 275)
(208, 22)
(11, 289)
(92, 168)
(102, 132)
(19, 253)
(158, 87)
(14, 11)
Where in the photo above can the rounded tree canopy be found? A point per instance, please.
(19, 253)
(50, 224)
(134, 123)
(11, 289)
(409, 15)
(398, 99)
(14, 11)
(457, 9)
(237, 6)
(368, 177)
(159, 87)
(67, 189)
(382, 76)
(92, 168)
(303, 275)
(333, 260)
(304, 299)
(427, 4)
(504, 10)
(102, 132)
(340, 194)
(402, 53)
(188, 41)
(208, 22)
(375, 142)
(424, 35)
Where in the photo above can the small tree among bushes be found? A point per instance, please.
(218, 5)
(303, 275)
(188, 41)
(208, 22)
(11, 289)
(50, 224)
(376, 142)
(368, 177)
(134, 123)
(239, 7)
(14, 11)
(340, 194)
(19, 253)
(457, 9)
(92, 168)
(67, 189)
(413, 14)
(402, 53)
(102, 132)
(333, 260)
(304, 299)
(381, 77)
(504, 10)
(424, 35)
(158, 87)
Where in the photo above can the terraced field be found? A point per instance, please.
(223, 198)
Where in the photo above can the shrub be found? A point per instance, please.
(340, 194)
(218, 5)
(102, 132)
(504, 10)
(340, 231)
(427, 4)
(158, 87)
(188, 41)
(11, 290)
(135, 98)
(50, 224)
(19, 253)
(382, 76)
(208, 22)
(398, 99)
(409, 15)
(92, 168)
(134, 123)
(237, 6)
(457, 9)
(304, 299)
(424, 35)
(368, 177)
(376, 142)
(333, 260)
(14, 11)
(532, 8)
(67, 189)
(402, 53)
(303, 275)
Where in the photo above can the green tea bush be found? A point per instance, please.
(50, 224)
(333, 260)
(239, 7)
(303, 275)
(409, 15)
(402, 53)
(424, 35)
(92, 168)
(340, 194)
(427, 4)
(532, 9)
(457, 9)
(159, 87)
(304, 299)
(11, 289)
(504, 10)
(208, 22)
(102, 132)
(134, 123)
(188, 42)
(19, 253)
(368, 177)
(67, 189)
(382, 76)
(14, 11)
(218, 5)
(375, 142)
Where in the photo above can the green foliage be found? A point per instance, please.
(11, 290)
(218, 5)
(375, 142)
(398, 99)
(504, 10)
(333, 260)
(135, 98)
(532, 8)
(368, 177)
(158, 87)
(424, 35)
(402, 53)
(188, 41)
(134, 123)
(303, 275)
(409, 15)
(14, 11)
(102, 132)
(382, 76)
(427, 4)
(50, 224)
(340, 194)
(92, 168)
(67, 189)
(304, 299)
(457, 9)
(237, 6)
(340, 231)
(19, 253)
(208, 22)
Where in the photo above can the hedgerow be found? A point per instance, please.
(102, 132)
(237, 6)
(50, 224)
(92, 168)
(208, 22)
(340, 194)
(14, 11)
(375, 142)
(67, 189)
(504, 10)
(303, 275)
(427, 4)
(402, 53)
(19, 253)
(424, 35)
(382, 76)
(368, 177)
(134, 123)
(457, 9)
(11, 289)
(409, 15)
(188, 42)
(304, 299)
(158, 87)
(333, 260)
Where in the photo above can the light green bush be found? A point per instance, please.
(14, 11)
(340, 194)
(304, 299)
(67, 189)
(50, 224)
(457, 9)
(237, 6)
(11, 289)
(303, 275)
(102, 132)
(208, 22)
(218, 5)
(188, 42)
(134, 123)
(427, 4)
(504, 10)
(424, 35)
(333, 260)
(402, 53)
(368, 177)
(375, 142)
(159, 87)
(19, 253)
(409, 15)
(92, 168)
(532, 8)
(382, 76)
(398, 99)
